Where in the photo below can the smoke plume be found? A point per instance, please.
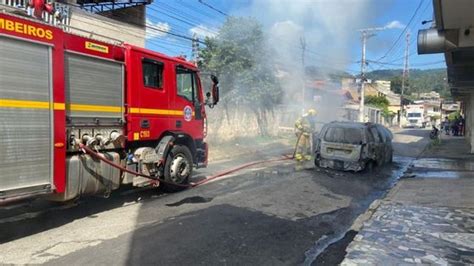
(329, 31)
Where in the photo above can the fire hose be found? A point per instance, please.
(96, 155)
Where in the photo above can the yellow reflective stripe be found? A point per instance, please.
(8, 103)
(59, 106)
(23, 104)
(150, 111)
(93, 108)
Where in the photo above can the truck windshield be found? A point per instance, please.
(344, 135)
(414, 114)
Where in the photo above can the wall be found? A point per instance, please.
(111, 28)
(469, 117)
(134, 15)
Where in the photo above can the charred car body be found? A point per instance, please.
(352, 146)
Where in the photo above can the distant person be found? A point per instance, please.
(304, 129)
(446, 125)
(461, 125)
(455, 126)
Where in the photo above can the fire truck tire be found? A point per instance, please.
(178, 168)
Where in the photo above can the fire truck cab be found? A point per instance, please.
(60, 92)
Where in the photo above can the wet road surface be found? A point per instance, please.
(427, 218)
(267, 215)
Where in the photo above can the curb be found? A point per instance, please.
(361, 219)
(364, 217)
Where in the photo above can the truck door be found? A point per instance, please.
(189, 102)
(26, 120)
(150, 85)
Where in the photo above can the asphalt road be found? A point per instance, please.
(266, 215)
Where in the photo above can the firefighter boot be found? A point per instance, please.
(299, 162)
(299, 157)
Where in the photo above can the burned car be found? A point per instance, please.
(353, 146)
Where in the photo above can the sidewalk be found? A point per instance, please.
(428, 217)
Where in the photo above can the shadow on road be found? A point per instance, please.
(39, 215)
(268, 216)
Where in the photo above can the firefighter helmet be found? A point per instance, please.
(312, 112)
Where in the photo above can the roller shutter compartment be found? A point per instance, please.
(94, 88)
(25, 117)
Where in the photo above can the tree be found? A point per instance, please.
(396, 84)
(377, 101)
(419, 80)
(240, 56)
(380, 102)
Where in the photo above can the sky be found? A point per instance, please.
(331, 28)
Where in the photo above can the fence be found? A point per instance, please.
(22, 5)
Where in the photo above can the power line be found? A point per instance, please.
(198, 11)
(413, 65)
(213, 8)
(430, 63)
(404, 30)
(158, 42)
(331, 60)
(180, 13)
(182, 20)
(168, 32)
(399, 51)
(153, 42)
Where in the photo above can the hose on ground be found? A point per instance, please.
(96, 155)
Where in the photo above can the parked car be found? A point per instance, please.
(353, 146)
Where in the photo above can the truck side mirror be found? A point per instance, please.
(214, 92)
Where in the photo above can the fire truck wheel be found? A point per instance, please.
(178, 168)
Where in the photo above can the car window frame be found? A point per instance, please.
(382, 134)
(387, 133)
(161, 70)
(193, 74)
(378, 138)
(335, 127)
(370, 137)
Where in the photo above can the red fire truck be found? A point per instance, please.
(138, 114)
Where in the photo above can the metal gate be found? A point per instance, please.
(25, 117)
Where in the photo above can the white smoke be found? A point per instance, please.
(329, 30)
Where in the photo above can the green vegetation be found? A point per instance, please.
(419, 80)
(240, 56)
(377, 101)
(380, 102)
(454, 115)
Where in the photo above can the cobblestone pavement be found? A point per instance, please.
(401, 234)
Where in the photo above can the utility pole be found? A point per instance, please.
(195, 49)
(366, 33)
(303, 50)
(405, 74)
(362, 77)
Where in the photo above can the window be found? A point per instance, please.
(414, 114)
(382, 134)
(344, 135)
(152, 73)
(186, 83)
(370, 138)
(375, 134)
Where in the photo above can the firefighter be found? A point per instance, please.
(40, 6)
(304, 129)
